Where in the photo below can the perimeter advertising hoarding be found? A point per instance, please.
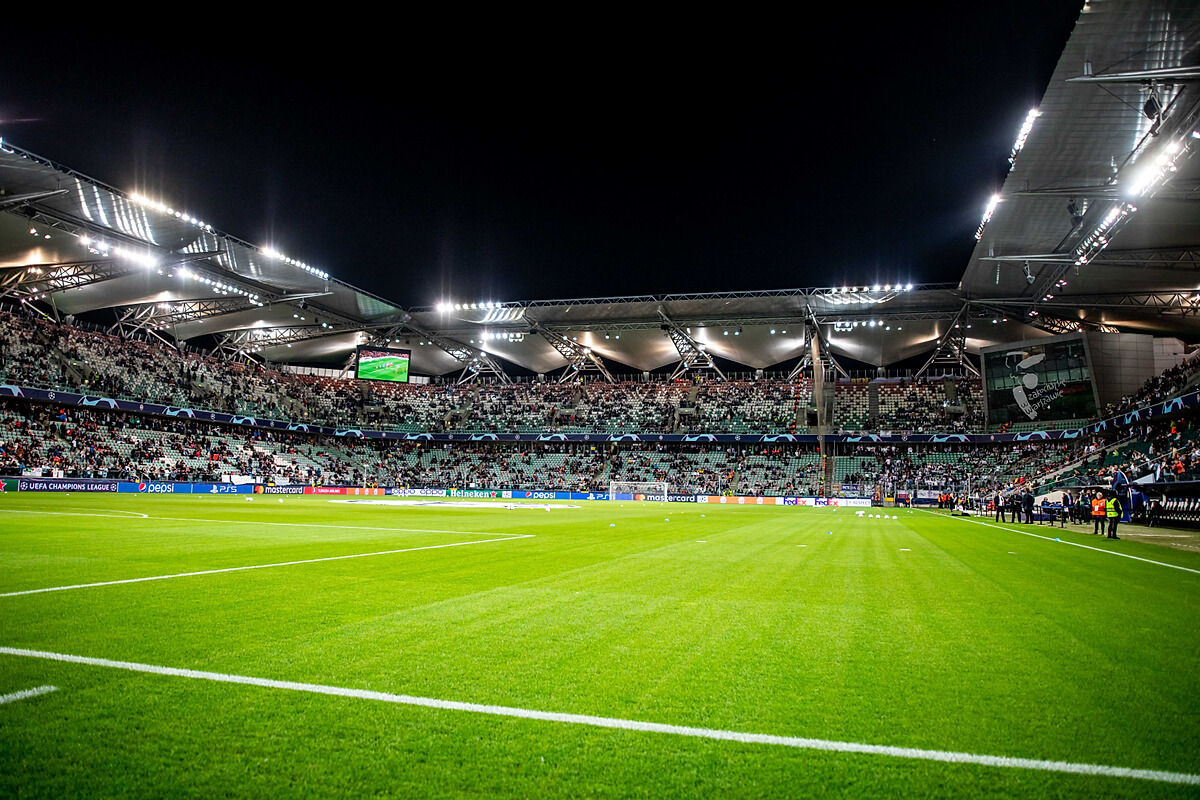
(1039, 381)
(382, 364)
(66, 485)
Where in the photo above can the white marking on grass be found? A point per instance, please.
(509, 505)
(115, 514)
(1160, 535)
(117, 511)
(631, 725)
(264, 522)
(1073, 544)
(905, 549)
(259, 566)
(15, 696)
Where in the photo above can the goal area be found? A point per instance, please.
(638, 490)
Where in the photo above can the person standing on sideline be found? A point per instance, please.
(999, 503)
(1099, 512)
(1027, 502)
(1112, 509)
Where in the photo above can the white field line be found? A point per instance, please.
(632, 725)
(12, 698)
(116, 511)
(260, 566)
(116, 514)
(1063, 541)
(256, 522)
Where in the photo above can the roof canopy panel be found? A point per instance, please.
(1096, 226)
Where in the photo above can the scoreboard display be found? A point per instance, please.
(382, 364)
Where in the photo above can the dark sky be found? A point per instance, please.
(577, 160)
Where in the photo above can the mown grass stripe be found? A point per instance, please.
(257, 566)
(262, 522)
(1063, 541)
(632, 725)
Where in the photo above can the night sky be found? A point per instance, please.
(614, 158)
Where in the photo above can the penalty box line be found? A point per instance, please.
(1073, 544)
(259, 566)
(826, 745)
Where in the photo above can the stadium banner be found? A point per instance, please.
(835, 502)
(543, 495)
(66, 485)
(222, 488)
(155, 487)
(1039, 380)
(263, 489)
(10, 485)
(410, 492)
(88, 401)
(324, 490)
(124, 487)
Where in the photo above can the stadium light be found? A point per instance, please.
(1022, 135)
(987, 215)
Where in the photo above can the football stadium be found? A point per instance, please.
(265, 532)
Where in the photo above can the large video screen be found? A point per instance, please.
(380, 364)
(1030, 382)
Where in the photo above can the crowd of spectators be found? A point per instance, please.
(40, 353)
(36, 352)
(1161, 387)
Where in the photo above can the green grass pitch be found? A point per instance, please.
(383, 368)
(922, 632)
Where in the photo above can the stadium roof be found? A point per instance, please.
(1095, 227)
(1097, 221)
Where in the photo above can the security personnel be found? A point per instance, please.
(1099, 510)
(1112, 510)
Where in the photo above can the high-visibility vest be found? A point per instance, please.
(1097, 507)
(1111, 508)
